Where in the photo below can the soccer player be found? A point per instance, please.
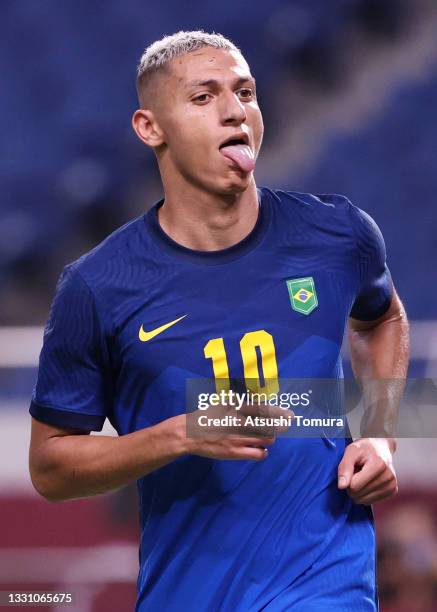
(222, 280)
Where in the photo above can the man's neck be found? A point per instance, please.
(209, 222)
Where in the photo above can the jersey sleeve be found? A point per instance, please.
(376, 286)
(73, 383)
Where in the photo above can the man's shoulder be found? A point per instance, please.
(311, 214)
(315, 202)
(112, 252)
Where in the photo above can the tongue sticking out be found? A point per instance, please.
(240, 154)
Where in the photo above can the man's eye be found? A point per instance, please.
(202, 98)
(246, 93)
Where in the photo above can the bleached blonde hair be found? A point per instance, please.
(159, 53)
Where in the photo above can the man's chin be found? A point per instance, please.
(238, 182)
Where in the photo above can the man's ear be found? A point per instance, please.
(147, 128)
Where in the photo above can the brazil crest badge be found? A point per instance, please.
(303, 295)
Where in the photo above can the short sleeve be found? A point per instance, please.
(73, 384)
(376, 286)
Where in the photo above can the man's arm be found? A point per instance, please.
(66, 463)
(379, 354)
(75, 376)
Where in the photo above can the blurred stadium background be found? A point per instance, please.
(349, 94)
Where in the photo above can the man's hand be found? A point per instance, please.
(242, 441)
(367, 471)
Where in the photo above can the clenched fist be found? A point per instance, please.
(366, 470)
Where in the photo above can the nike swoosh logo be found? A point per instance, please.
(145, 336)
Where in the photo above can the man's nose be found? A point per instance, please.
(232, 109)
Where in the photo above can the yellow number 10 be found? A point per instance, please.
(215, 350)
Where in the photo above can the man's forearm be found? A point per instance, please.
(83, 465)
(379, 355)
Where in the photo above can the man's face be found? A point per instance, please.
(208, 98)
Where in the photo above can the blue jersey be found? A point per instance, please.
(137, 316)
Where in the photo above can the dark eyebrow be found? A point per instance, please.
(215, 83)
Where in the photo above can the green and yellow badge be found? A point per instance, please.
(303, 296)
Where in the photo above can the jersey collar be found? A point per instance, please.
(231, 253)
